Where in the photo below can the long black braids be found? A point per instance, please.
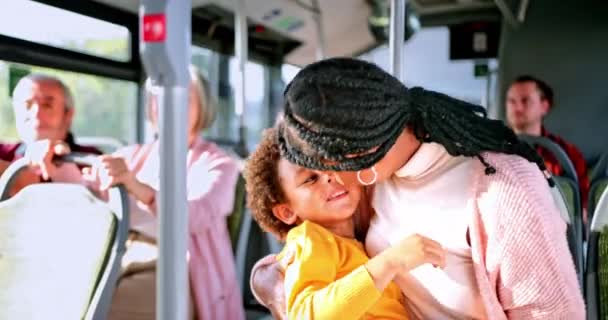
(345, 114)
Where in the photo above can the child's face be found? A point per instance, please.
(315, 195)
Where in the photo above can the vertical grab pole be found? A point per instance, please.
(165, 35)
(241, 52)
(397, 34)
(321, 46)
(488, 103)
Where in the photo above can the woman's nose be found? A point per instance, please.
(327, 176)
(337, 178)
(331, 175)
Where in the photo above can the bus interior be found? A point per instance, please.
(471, 49)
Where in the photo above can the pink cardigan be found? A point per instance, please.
(523, 266)
(522, 263)
(211, 181)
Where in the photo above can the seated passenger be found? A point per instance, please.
(330, 276)
(44, 108)
(529, 100)
(211, 182)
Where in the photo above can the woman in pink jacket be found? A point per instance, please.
(441, 169)
(211, 181)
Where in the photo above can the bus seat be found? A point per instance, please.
(253, 244)
(567, 202)
(596, 277)
(600, 169)
(60, 249)
(569, 191)
(595, 192)
(603, 273)
(556, 150)
(235, 219)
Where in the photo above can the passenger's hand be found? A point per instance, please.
(110, 171)
(267, 283)
(40, 154)
(415, 251)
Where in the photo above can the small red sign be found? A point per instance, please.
(155, 28)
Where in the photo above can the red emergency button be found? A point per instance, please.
(155, 28)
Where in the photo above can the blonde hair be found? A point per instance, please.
(205, 101)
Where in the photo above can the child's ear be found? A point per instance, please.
(284, 213)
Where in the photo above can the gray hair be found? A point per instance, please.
(39, 77)
(206, 102)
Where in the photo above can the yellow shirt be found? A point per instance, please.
(328, 280)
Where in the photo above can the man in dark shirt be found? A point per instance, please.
(528, 101)
(44, 109)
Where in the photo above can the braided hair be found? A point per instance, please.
(344, 114)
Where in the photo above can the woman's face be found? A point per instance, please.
(396, 157)
(194, 111)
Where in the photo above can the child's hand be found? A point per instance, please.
(404, 256)
(414, 251)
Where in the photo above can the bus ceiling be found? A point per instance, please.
(287, 31)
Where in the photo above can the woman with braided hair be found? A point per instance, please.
(439, 168)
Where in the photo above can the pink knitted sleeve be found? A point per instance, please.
(527, 255)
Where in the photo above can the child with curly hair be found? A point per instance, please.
(330, 275)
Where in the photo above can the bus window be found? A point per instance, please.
(226, 126)
(427, 64)
(104, 107)
(92, 36)
(288, 72)
(256, 109)
(203, 58)
(8, 132)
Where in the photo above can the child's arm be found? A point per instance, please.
(313, 293)
(311, 288)
(406, 255)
